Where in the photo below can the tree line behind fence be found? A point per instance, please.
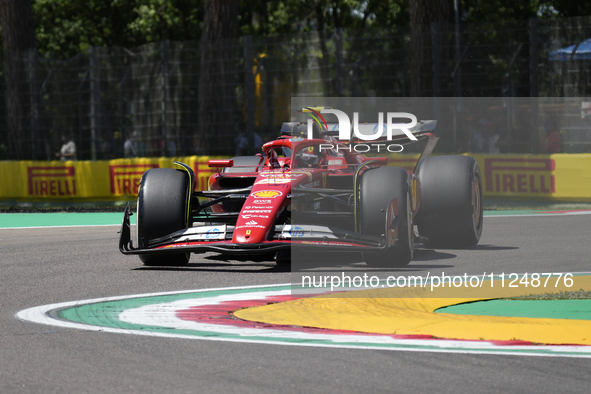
(176, 99)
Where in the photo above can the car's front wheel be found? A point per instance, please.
(162, 208)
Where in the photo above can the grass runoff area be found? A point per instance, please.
(566, 295)
(575, 305)
(53, 206)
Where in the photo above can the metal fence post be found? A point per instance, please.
(436, 53)
(533, 70)
(122, 108)
(95, 98)
(457, 79)
(510, 102)
(35, 102)
(339, 60)
(250, 94)
(165, 47)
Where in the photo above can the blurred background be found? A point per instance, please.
(152, 78)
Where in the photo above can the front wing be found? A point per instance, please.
(218, 238)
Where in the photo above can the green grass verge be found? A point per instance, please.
(566, 295)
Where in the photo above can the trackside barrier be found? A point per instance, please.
(87, 180)
(560, 177)
(544, 177)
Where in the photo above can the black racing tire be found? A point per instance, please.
(244, 164)
(377, 188)
(450, 212)
(163, 201)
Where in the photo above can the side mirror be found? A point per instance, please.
(220, 163)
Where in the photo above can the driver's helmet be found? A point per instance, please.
(309, 157)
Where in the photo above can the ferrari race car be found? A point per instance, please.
(312, 194)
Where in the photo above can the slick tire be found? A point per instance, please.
(450, 212)
(163, 201)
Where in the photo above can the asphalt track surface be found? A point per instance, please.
(48, 265)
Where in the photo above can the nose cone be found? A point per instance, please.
(261, 208)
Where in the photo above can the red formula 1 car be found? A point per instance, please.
(312, 195)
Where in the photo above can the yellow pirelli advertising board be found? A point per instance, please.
(560, 177)
(87, 180)
(546, 177)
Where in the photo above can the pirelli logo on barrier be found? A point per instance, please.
(516, 175)
(202, 173)
(125, 178)
(51, 181)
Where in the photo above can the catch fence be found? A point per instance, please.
(182, 98)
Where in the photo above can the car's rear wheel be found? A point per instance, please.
(378, 188)
(450, 214)
(162, 208)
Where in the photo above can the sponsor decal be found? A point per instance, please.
(271, 181)
(248, 232)
(125, 179)
(324, 179)
(296, 232)
(262, 201)
(251, 226)
(248, 216)
(516, 175)
(281, 175)
(257, 211)
(51, 181)
(267, 194)
(335, 162)
(214, 233)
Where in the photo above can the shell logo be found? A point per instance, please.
(267, 194)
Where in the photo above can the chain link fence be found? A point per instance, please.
(177, 98)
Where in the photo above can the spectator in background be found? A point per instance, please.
(117, 145)
(171, 147)
(68, 149)
(112, 146)
(241, 142)
(140, 145)
(551, 140)
(485, 141)
(131, 145)
(188, 144)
